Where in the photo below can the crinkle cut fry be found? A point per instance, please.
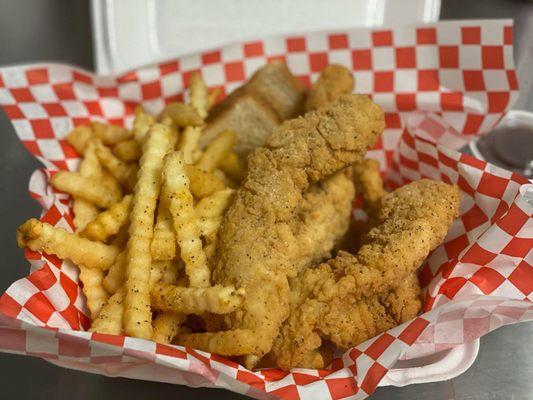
(189, 300)
(253, 253)
(226, 343)
(166, 326)
(163, 245)
(41, 236)
(412, 221)
(137, 312)
(180, 205)
(109, 321)
(109, 222)
(89, 189)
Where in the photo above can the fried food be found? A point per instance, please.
(141, 124)
(108, 222)
(354, 297)
(181, 208)
(137, 312)
(202, 184)
(256, 234)
(199, 95)
(233, 167)
(115, 275)
(125, 174)
(190, 144)
(163, 245)
(41, 236)
(182, 115)
(109, 320)
(216, 151)
(194, 300)
(334, 81)
(93, 289)
(128, 151)
(85, 211)
(110, 134)
(369, 185)
(166, 326)
(85, 188)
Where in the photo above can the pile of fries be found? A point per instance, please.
(148, 203)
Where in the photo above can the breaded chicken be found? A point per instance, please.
(354, 297)
(257, 239)
(333, 82)
(369, 185)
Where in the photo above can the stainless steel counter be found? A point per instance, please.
(57, 30)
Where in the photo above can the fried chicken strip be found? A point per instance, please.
(334, 81)
(257, 239)
(354, 297)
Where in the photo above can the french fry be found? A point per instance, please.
(232, 166)
(182, 114)
(216, 151)
(202, 184)
(180, 205)
(137, 312)
(109, 222)
(79, 137)
(163, 245)
(224, 178)
(110, 182)
(124, 173)
(210, 210)
(141, 124)
(121, 238)
(189, 300)
(128, 151)
(41, 236)
(93, 289)
(224, 343)
(163, 271)
(109, 321)
(84, 211)
(166, 326)
(199, 95)
(212, 97)
(85, 188)
(110, 134)
(114, 279)
(190, 144)
(173, 130)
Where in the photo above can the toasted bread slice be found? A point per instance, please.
(248, 116)
(271, 96)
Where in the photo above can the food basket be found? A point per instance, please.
(440, 85)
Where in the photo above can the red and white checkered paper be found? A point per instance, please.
(440, 85)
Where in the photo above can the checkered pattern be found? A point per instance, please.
(439, 84)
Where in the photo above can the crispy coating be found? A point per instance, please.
(334, 81)
(369, 185)
(353, 297)
(41, 236)
(256, 237)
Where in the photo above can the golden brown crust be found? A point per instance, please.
(334, 81)
(354, 297)
(256, 236)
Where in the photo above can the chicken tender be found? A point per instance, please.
(257, 243)
(354, 297)
(334, 81)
